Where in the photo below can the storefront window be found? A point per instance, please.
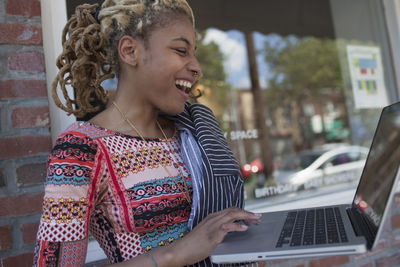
(318, 79)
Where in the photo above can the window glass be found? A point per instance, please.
(298, 93)
(340, 159)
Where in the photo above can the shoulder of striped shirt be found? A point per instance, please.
(201, 121)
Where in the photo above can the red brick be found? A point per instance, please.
(5, 238)
(23, 88)
(31, 174)
(27, 8)
(23, 260)
(395, 240)
(379, 248)
(20, 34)
(31, 116)
(329, 261)
(14, 147)
(29, 232)
(389, 261)
(21, 205)
(396, 221)
(277, 262)
(27, 61)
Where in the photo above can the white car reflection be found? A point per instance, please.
(321, 167)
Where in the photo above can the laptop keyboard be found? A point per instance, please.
(313, 226)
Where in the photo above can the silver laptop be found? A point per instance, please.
(330, 230)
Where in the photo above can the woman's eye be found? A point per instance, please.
(181, 51)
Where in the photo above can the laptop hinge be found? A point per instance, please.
(361, 225)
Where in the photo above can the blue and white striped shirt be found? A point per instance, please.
(217, 181)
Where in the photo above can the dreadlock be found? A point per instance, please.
(90, 46)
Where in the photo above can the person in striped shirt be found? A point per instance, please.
(150, 176)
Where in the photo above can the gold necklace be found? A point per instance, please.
(184, 190)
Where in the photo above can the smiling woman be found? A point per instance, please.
(144, 175)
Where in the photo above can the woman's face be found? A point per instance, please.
(167, 66)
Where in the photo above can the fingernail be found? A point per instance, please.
(258, 215)
(243, 226)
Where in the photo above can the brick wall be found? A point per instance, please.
(24, 129)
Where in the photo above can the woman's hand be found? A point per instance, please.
(201, 241)
(197, 244)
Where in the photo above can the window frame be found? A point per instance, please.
(54, 18)
(392, 17)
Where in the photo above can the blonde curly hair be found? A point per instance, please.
(90, 46)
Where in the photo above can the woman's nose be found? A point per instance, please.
(195, 68)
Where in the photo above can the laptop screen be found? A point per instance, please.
(380, 170)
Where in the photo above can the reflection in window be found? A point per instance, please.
(299, 162)
(306, 92)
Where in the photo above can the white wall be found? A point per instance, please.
(54, 18)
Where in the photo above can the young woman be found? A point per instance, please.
(150, 176)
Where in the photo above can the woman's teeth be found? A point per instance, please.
(183, 85)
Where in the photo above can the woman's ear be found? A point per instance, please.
(128, 50)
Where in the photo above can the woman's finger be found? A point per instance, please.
(235, 214)
(251, 222)
(231, 227)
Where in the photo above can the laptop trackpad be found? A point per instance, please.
(257, 237)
